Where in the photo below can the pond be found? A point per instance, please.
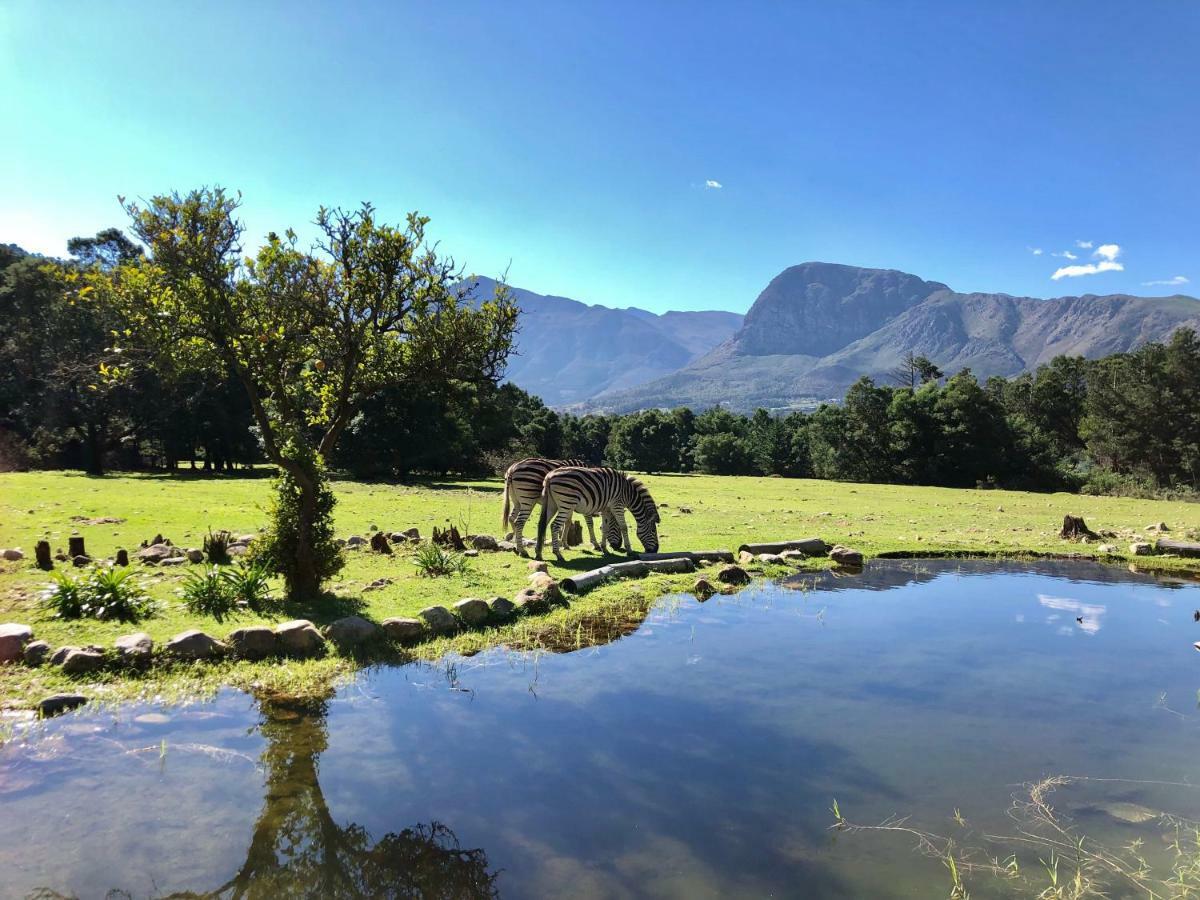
(699, 756)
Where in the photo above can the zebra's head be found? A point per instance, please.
(645, 514)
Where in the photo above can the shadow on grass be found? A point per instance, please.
(324, 609)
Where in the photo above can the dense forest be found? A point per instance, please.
(1128, 423)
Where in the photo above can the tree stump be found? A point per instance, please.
(1075, 529)
(449, 538)
(42, 554)
(380, 543)
(574, 533)
(75, 546)
(122, 557)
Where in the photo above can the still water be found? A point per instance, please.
(696, 757)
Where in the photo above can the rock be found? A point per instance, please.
(80, 561)
(537, 565)
(794, 556)
(36, 653)
(252, 642)
(471, 553)
(439, 619)
(397, 537)
(1132, 813)
(773, 559)
(82, 660)
(1108, 548)
(355, 540)
(844, 556)
(155, 553)
(733, 575)
(134, 648)
(351, 631)
(501, 608)
(195, 645)
(546, 587)
(685, 510)
(377, 584)
(122, 558)
(299, 637)
(745, 557)
(703, 588)
(246, 539)
(173, 561)
(194, 555)
(484, 542)
(60, 703)
(237, 549)
(472, 611)
(530, 600)
(12, 554)
(1141, 548)
(403, 629)
(507, 546)
(411, 534)
(56, 658)
(13, 638)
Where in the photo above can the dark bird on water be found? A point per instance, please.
(1079, 619)
(1196, 616)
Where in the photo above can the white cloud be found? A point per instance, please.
(1091, 614)
(1084, 245)
(1066, 254)
(1108, 251)
(1036, 251)
(713, 185)
(1170, 282)
(1089, 269)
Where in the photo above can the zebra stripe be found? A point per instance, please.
(523, 490)
(588, 491)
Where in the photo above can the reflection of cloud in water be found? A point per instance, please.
(1091, 613)
(1020, 617)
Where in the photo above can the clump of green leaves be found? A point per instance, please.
(433, 561)
(216, 547)
(102, 593)
(218, 592)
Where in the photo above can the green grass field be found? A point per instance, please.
(726, 511)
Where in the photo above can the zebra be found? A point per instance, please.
(523, 491)
(578, 489)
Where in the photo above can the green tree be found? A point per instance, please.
(311, 335)
(723, 454)
(646, 441)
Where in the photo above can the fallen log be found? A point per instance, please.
(693, 555)
(637, 568)
(1181, 548)
(807, 546)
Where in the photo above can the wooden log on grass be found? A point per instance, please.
(694, 555)
(807, 546)
(1179, 548)
(637, 568)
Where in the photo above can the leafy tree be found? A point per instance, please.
(647, 441)
(310, 335)
(723, 454)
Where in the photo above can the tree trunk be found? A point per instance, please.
(305, 583)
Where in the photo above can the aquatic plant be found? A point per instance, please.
(105, 592)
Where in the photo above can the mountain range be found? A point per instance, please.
(814, 330)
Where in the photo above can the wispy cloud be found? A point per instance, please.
(1085, 245)
(1066, 254)
(1036, 251)
(1106, 254)
(1170, 282)
(711, 185)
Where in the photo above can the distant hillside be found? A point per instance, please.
(817, 327)
(567, 351)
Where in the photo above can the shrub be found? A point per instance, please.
(102, 593)
(432, 561)
(217, 592)
(216, 547)
(250, 583)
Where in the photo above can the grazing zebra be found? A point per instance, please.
(523, 491)
(575, 489)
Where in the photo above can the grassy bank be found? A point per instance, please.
(725, 512)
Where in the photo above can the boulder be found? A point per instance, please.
(155, 553)
(1158, 526)
(237, 550)
(546, 586)
(703, 588)
(12, 554)
(484, 542)
(472, 611)
(773, 559)
(299, 637)
(529, 600)
(13, 638)
(246, 539)
(507, 546)
(794, 556)
(403, 629)
(411, 534)
(1141, 548)
(36, 653)
(844, 556)
(194, 555)
(122, 558)
(1108, 548)
(134, 648)
(501, 607)
(173, 561)
(380, 543)
(195, 645)
(79, 661)
(355, 540)
(746, 558)
(252, 642)
(537, 565)
(60, 703)
(733, 575)
(57, 657)
(439, 619)
(377, 584)
(80, 561)
(471, 553)
(351, 631)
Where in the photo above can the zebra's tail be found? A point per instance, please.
(543, 520)
(507, 503)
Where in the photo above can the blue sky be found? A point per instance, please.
(578, 145)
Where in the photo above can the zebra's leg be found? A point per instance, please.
(558, 529)
(592, 535)
(519, 517)
(623, 527)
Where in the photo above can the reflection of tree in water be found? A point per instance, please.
(298, 850)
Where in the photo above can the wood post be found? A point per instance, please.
(42, 554)
(75, 546)
(122, 557)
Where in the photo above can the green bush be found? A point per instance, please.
(432, 561)
(102, 593)
(216, 547)
(217, 592)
